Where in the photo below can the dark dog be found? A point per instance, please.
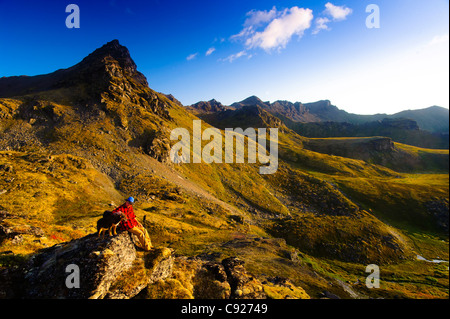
(109, 222)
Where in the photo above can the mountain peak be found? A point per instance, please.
(251, 100)
(114, 43)
(208, 106)
(114, 50)
(111, 61)
(107, 77)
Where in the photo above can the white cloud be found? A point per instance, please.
(191, 56)
(338, 13)
(273, 29)
(245, 33)
(235, 56)
(256, 17)
(321, 24)
(279, 31)
(210, 51)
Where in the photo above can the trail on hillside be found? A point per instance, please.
(170, 174)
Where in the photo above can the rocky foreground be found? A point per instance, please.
(112, 268)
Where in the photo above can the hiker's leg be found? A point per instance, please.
(148, 241)
(141, 235)
(138, 233)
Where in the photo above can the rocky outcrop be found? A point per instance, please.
(360, 238)
(157, 145)
(198, 278)
(247, 116)
(359, 148)
(92, 267)
(401, 123)
(147, 269)
(107, 77)
(439, 210)
(381, 144)
(15, 233)
(208, 106)
(243, 285)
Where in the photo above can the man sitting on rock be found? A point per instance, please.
(132, 225)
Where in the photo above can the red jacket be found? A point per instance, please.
(131, 221)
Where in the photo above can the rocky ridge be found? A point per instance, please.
(112, 268)
(88, 267)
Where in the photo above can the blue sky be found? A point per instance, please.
(228, 50)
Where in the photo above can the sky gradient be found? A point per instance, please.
(228, 50)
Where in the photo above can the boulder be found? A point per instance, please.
(197, 278)
(243, 285)
(92, 267)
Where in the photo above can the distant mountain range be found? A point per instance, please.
(433, 119)
(427, 127)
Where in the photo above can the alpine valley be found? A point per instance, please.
(350, 190)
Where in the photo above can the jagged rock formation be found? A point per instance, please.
(439, 209)
(198, 278)
(103, 266)
(432, 119)
(400, 123)
(105, 80)
(244, 117)
(424, 128)
(242, 285)
(112, 268)
(208, 106)
(103, 96)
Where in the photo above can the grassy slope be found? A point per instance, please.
(63, 195)
(72, 194)
(401, 158)
(393, 197)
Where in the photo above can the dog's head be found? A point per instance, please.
(122, 216)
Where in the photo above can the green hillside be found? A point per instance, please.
(67, 154)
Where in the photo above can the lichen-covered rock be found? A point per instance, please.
(439, 210)
(99, 262)
(243, 285)
(211, 282)
(147, 269)
(92, 267)
(195, 278)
